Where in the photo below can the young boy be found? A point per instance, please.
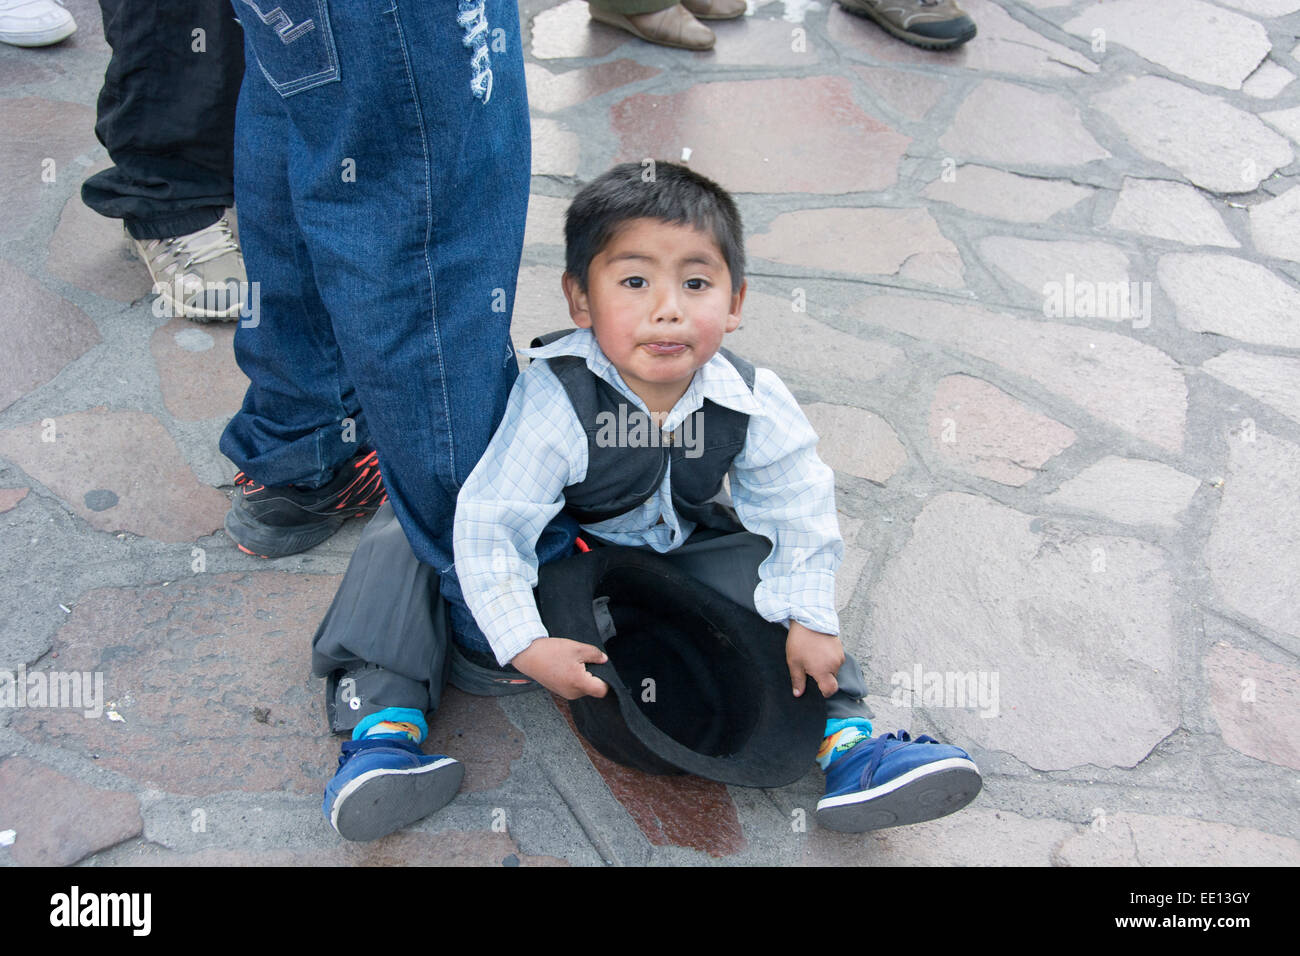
(654, 281)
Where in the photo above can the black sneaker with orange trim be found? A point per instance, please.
(275, 522)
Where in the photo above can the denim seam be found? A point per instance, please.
(428, 239)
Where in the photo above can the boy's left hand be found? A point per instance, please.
(810, 653)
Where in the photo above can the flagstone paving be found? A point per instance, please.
(1040, 296)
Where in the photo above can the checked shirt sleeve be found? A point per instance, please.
(783, 491)
(510, 496)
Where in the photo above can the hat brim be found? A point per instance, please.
(699, 684)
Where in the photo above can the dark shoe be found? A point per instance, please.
(480, 674)
(893, 780)
(382, 786)
(933, 24)
(274, 522)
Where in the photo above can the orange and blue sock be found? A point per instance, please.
(392, 723)
(841, 736)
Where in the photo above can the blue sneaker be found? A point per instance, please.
(384, 785)
(893, 780)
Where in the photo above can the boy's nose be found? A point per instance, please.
(667, 309)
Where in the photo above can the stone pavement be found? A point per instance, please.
(1040, 297)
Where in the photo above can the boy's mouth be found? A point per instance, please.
(665, 348)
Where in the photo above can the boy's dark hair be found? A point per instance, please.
(651, 190)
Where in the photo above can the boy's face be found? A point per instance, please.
(658, 300)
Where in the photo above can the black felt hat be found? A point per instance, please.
(698, 684)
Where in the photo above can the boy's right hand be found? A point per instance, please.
(558, 664)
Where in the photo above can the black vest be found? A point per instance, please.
(627, 454)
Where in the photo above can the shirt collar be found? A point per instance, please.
(717, 380)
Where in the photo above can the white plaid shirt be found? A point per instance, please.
(779, 487)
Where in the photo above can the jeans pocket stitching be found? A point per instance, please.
(320, 77)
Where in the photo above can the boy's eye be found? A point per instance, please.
(634, 282)
(696, 285)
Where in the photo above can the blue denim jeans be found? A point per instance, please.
(381, 175)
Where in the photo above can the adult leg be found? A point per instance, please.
(408, 172)
(166, 114)
(300, 418)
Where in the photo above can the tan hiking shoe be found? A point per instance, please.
(933, 24)
(200, 276)
(715, 9)
(672, 27)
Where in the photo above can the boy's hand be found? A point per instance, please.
(558, 664)
(810, 653)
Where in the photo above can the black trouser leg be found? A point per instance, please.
(166, 114)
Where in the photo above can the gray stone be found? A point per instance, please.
(545, 225)
(1275, 225)
(863, 241)
(1216, 146)
(1256, 704)
(567, 30)
(1140, 839)
(1269, 378)
(58, 819)
(540, 306)
(1288, 121)
(1018, 126)
(803, 351)
(1264, 8)
(1002, 195)
(555, 148)
(1169, 210)
(984, 430)
(42, 332)
(1058, 629)
(912, 94)
(1254, 548)
(856, 442)
(1004, 45)
(1268, 81)
(977, 836)
(1036, 262)
(1200, 41)
(1098, 371)
(850, 569)
(1129, 490)
(1230, 296)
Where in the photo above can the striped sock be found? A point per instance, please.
(392, 723)
(842, 736)
(394, 729)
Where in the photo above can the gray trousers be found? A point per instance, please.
(384, 640)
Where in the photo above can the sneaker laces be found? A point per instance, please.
(207, 244)
(878, 751)
(203, 246)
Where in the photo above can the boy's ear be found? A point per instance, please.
(577, 298)
(737, 300)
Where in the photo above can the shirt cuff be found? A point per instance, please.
(807, 597)
(510, 622)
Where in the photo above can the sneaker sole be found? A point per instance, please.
(926, 793)
(265, 541)
(381, 802)
(193, 313)
(916, 39)
(41, 38)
